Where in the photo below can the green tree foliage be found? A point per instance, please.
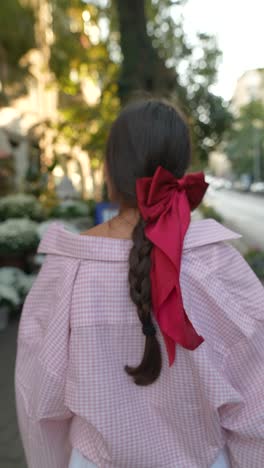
(191, 70)
(96, 40)
(80, 52)
(208, 113)
(157, 58)
(245, 140)
(16, 38)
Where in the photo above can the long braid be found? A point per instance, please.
(140, 291)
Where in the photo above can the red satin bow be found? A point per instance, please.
(165, 203)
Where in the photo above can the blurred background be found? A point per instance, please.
(66, 69)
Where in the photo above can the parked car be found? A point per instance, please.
(257, 187)
(238, 185)
(218, 183)
(243, 184)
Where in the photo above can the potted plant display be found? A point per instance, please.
(18, 241)
(21, 205)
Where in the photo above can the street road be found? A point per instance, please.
(243, 211)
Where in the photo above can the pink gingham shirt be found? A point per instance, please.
(79, 329)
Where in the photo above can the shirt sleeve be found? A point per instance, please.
(244, 368)
(244, 422)
(233, 301)
(41, 365)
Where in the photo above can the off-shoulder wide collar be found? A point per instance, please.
(58, 240)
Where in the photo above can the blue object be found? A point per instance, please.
(105, 211)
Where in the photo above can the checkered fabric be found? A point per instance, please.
(79, 329)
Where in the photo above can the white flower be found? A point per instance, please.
(18, 235)
(16, 279)
(20, 205)
(8, 295)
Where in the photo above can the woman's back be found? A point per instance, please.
(92, 332)
(143, 353)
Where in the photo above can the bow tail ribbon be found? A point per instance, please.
(165, 203)
(168, 308)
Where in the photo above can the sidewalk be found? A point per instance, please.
(11, 452)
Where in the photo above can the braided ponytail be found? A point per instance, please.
(147, 134)
(140, 292)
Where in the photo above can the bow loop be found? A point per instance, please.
(165, 204)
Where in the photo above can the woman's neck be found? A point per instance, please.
(123, 224)
(132, 215)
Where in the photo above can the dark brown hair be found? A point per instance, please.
(147, 134)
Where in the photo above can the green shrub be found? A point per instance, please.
(18, 236)
(70, 209)
(48, 200)
(209, 212)
(255, 259)
(20, 205)
(91, 206)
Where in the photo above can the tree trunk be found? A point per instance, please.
(3, 77)
(142, 68)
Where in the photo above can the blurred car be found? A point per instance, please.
(257, 187)
(228, 184)
(243, 183)
(240, 186)
(217, 183)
